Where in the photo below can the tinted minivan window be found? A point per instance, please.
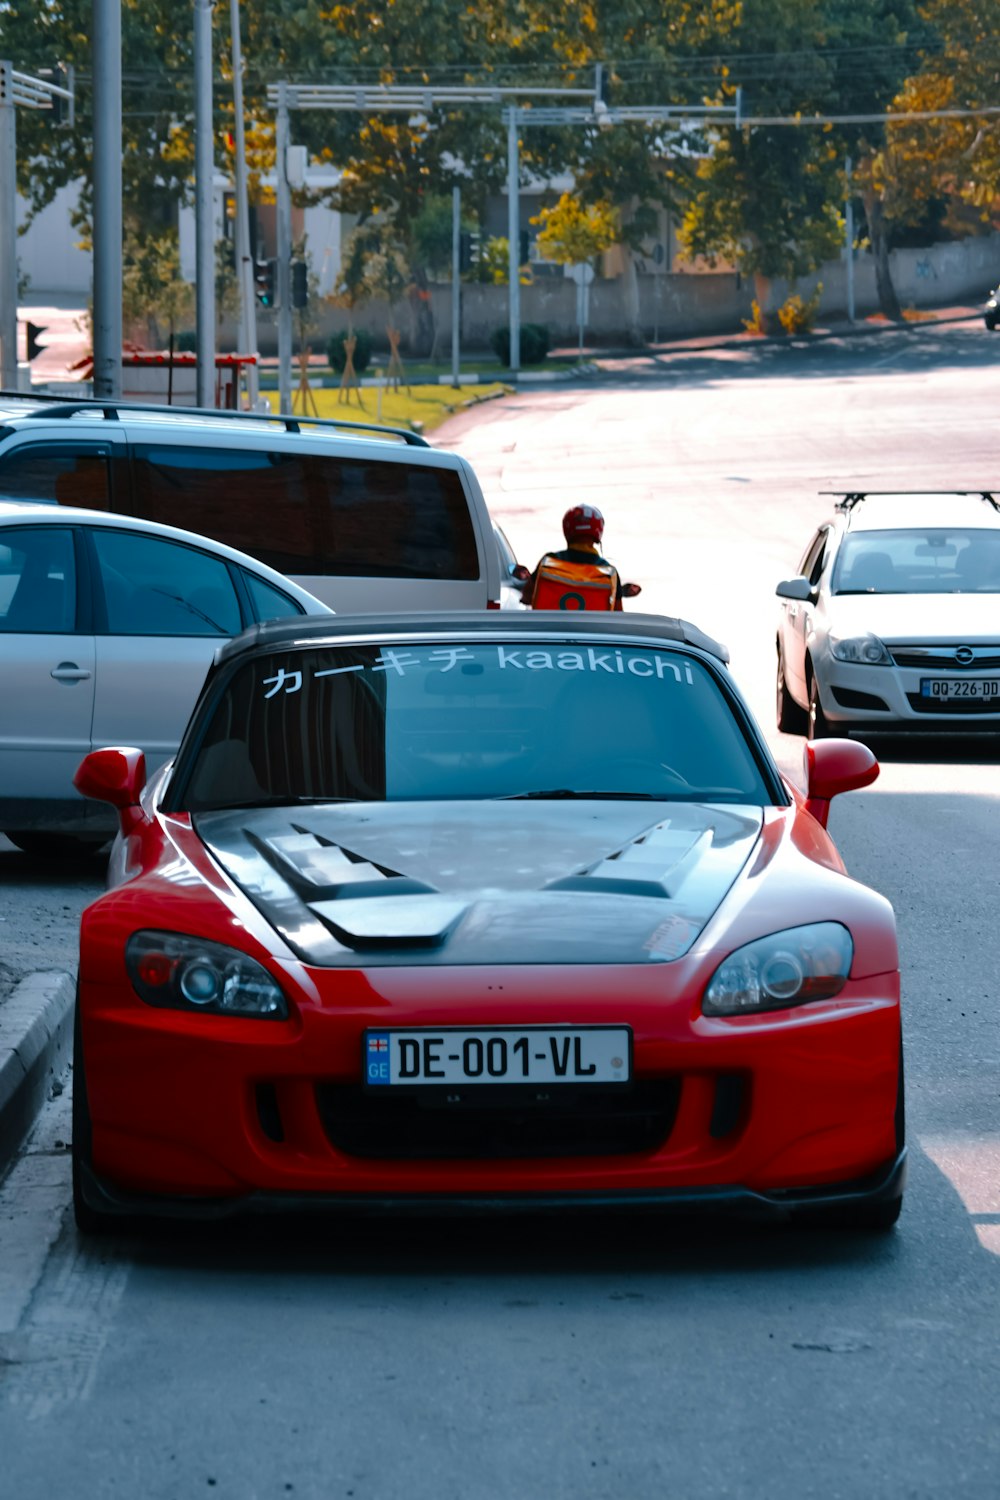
(310, 513)
(56, 474)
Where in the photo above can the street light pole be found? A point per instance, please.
(284, 247)
(204, 169)
(456, 281)
(8, 229)
(244, 249)
(514, 239)
(107, 66)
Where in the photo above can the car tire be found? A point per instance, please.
(791, 717)
(991, 323)
(89, 1220)
(54, 845)
(818, 725)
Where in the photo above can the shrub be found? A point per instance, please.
(755, 322)
(535, 343)
(797, 315)
(362, 351)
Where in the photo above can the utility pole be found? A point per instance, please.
(107, 74)
(284, 196)
(244, 249)
(849, 239)
(204, 171)
(456, 279)
(8, 229)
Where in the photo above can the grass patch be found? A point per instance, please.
(422, 407)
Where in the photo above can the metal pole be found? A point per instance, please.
(849, 238)
(107, 73)
(284, 256)
(456, 283)
(8, 230)
(244, 249)
(514, 239)
(204, 200)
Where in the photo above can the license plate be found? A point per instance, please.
(500, 1055)
(948, 688)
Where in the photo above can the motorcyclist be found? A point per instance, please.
(578, 577)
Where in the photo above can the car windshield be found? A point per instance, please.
(456, 720)
(919, 561)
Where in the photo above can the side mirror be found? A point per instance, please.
(116, 776)
(795, 588)
(832, 767)
(631, 590)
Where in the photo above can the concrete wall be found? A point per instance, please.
(681, 304)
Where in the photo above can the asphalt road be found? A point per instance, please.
(623, 1358)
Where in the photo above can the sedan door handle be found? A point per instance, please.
(68, 671)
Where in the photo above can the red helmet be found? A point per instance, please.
(584, 523)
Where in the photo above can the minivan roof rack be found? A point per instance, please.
(69, 406)
(849, 498)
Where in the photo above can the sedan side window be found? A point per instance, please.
(156, 587)
(268, 602)
(818, 558)
(57, 474)
(37, 580)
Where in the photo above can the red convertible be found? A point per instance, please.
(483, 913)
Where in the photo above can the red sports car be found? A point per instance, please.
(483, 913)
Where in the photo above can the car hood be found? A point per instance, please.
(485, 882)
(916, 617)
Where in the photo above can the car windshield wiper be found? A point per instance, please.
(564, 793)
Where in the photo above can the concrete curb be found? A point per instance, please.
(36, 1033)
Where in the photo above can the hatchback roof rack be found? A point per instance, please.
(849, 498)
(69, 406)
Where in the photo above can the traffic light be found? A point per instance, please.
(33, 332)
(265, 282)
(300, 284)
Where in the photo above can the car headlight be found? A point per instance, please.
(188, 973)
(867, 650)
(787, 968)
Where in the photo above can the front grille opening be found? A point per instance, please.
(268, 1113)
(486, 1124)
(958, 708)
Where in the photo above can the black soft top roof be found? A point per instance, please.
(315, 629)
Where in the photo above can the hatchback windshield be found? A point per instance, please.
(422, 721)
(919, 561)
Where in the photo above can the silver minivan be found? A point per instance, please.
(364, 518)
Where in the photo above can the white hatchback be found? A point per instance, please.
(893, 622)
(107, 628)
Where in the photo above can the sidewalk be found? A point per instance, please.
(36, 1033)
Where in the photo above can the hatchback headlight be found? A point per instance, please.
(187, 973)
(787, 968)
(867, 650)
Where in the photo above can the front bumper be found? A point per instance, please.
(215, 1108)
(890, 698)
(882, 1186)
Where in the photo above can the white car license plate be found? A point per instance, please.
(953, 688)
(549, 1055)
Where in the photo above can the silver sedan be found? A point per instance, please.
(107, 628)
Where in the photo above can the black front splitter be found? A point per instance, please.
(881, 1187)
